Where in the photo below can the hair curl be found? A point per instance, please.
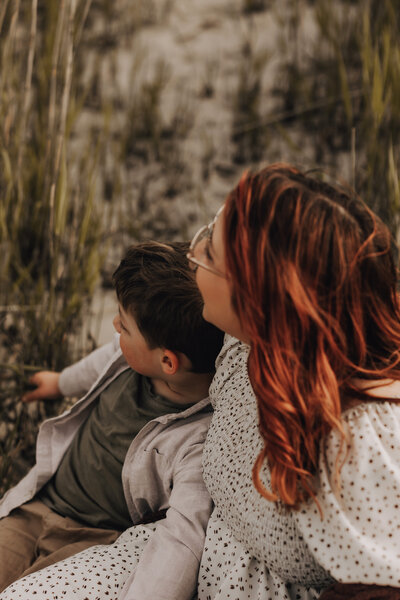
(314, 285)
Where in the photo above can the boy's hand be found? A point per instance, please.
(46, 383)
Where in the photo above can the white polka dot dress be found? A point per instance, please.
(358, 539)
(97, 573)
(229, 572)
(249, 532)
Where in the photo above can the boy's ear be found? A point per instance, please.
(170, 362)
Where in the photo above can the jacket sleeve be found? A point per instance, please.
(77, 379)
(169, 565)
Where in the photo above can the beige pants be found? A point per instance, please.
(33, 536)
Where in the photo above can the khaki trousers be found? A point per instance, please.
(33, 536)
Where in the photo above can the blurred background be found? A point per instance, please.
(127, 120)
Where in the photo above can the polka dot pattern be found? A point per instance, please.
(359, 536)
(268, 531)
(98, 573)
(229, 572)
(263, 545)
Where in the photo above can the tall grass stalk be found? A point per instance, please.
(356, 58)
(51, 233)
(250, 142)
(46, 190)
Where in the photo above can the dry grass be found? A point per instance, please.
(51, 235)
(352, 78)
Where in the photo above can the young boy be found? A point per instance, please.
(130, 450)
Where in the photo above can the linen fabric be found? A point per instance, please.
(35, 530)
(77, 488)
(162, 471)
(99, 572)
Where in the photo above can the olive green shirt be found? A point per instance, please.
(87, 485)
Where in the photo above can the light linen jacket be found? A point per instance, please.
(162, 470)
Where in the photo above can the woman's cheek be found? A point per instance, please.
(200, 282)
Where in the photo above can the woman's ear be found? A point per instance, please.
(170, 362)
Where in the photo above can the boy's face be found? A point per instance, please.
(134, 347)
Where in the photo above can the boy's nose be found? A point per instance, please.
(117, 324)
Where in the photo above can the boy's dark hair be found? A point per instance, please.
(155, 285)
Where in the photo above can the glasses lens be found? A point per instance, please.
(201, 259)
(200, 235)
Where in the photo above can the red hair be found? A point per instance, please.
(314, 285)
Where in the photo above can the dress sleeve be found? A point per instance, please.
(357, 539)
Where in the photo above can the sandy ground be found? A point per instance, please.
(211, 53)
(104, 310)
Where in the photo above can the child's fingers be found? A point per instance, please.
(31, 396)
(33, 379)
(45, 384)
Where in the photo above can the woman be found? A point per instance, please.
(303, 463)
(302, 458)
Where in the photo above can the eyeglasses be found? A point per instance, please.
(204, 233)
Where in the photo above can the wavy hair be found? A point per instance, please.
(314, 285)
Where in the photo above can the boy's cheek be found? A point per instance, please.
(125, 349)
